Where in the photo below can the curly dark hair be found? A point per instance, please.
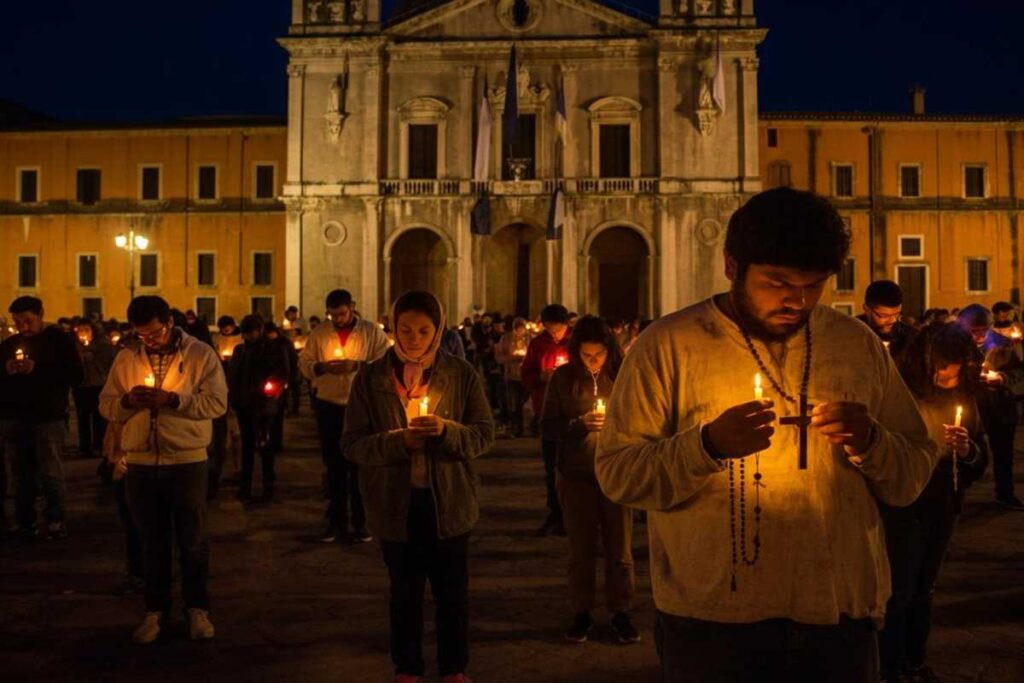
(937, 346)
(591, 329)
(788, 228)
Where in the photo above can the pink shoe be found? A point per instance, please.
(408, 678)
(456, 678)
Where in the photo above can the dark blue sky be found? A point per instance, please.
(121, 60)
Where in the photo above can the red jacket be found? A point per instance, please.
(542, 354)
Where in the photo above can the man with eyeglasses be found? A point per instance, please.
(165, 395)
(883, 313)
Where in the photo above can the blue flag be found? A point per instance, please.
(510, 118)
(480, 217)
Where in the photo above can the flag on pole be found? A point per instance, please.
(482, 160)
(561, 120)
(480, 217)
(556, 215)
(510, 117)
(718, 91)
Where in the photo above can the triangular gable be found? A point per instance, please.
(479, 18)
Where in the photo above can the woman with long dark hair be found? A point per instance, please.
(574, 410)
(942, 367)
(416, 420)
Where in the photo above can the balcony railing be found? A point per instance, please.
(606, 186)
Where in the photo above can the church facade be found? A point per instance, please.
(659, 148)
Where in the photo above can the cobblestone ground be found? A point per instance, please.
(287, 607)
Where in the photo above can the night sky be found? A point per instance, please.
(115, 60)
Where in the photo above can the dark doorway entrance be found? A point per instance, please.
(619, 274)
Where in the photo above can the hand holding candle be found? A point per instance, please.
(19, 355)
(600, 408)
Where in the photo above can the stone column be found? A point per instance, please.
(460, 136)
(668, 117)
(370, 105)
(296, 109)
(369, 301)
(668, 266)
(570, 167)
(293, 258)
(466, 267)
(567, 256)
(748, 152)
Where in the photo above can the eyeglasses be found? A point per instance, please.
(154, 335)
(881, 317)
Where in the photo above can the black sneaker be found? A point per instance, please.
(581, 625)
(1011, 501)
(330, 536)
(361, 536)
(624, 629)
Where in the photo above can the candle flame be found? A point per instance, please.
(339, 352)
(150, 381)
(425, 406)
(19, 355)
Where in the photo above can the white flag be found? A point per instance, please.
(482, 161)
(719, 85)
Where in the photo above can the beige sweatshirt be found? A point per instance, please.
(366, 343)
(823, 551)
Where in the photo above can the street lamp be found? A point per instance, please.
(130, 243)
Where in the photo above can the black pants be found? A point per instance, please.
(216, 452)
(168, 505)
(342, 475)
(1001, 440)
(550, 451)
(256, 427)
(133, 560)
(695, 651)
(517, 396)
(91, 425)
(294, 395)
(277, 426)
(445, 563)
(917, 545)
(497, 395)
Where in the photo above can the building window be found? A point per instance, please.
(28, 271)
(773, 137)
(87, 270)
(974, 181)
(88, 186)
(846, 308)
(263, 306)
(779, 174)
(910, 180)
(977, 275)
(615, 150)
(525, 147)
(264, 181)
(842, 180)
(149, 270)
(846, 278)
(28, 185)
(207, 181)
(262, 268)
(150, 183)
(206, 309)
(423, 150)
(92, 307)
(911, 246)
(206, 264)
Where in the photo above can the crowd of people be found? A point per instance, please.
(887, 421)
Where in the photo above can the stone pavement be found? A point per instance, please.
(288, 608)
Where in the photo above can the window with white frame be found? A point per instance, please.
(615, 122)
(974, 181)
(149, 270)
(206, 269)
(263, 184)
(262, 268)
(977, 275)
(846, 278)
(842, 180)
(149, 183)
(88, 182)
(206, 182)
(87, 270)
(28, 185)
(911, 246)
(910, 180)
(28, 271)
(428, 142)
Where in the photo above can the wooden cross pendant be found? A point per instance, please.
(801, 422)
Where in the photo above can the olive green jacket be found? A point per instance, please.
(372, 438)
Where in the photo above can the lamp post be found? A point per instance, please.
(130, 243)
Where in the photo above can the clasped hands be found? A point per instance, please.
(149, 398)
(958, 439)
(420, 429)
(20, 367)
(339, 367)
(748, 428)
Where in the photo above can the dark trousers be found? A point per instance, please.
(33, 452)
(342, 475)
(277, 426)
(133, 562)
(410, 564)
(917, 545)
(692, 650)
(168, 505)
(497, 395)
(1001, 440)
(91, 425)
(216, 452)
(256, 430)
(294, 395)
(549, 449)
(517, 396)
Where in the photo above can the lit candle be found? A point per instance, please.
(226, 354)
(297, 345)
(339, 353)
(758, 390)
(19, 355)
(115, 338)
(425, 406)
(959, 416)
(991, 376)
(287, 324)
(600, 408)
(956, 473)
(560, 360)
(150, 381)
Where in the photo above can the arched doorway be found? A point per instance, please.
(516, 264)
(618, 274)
(419, 260)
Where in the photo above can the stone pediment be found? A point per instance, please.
(528, 19)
